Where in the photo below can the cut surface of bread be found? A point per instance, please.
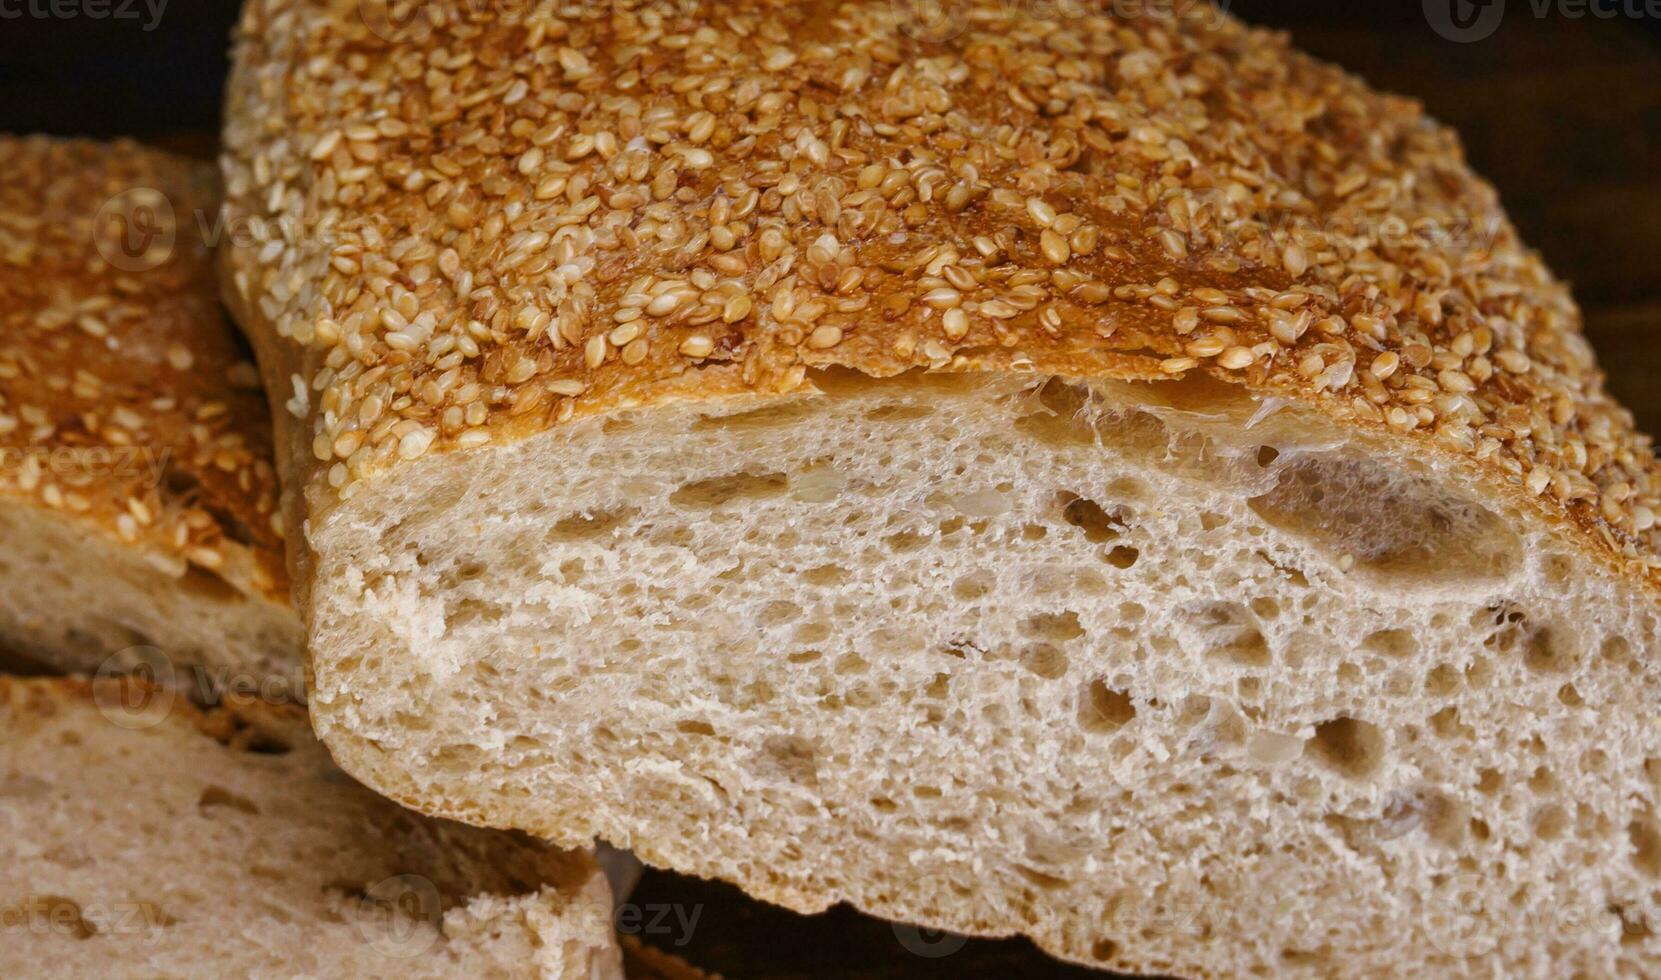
(137, 493)
(141, 838)
(1108, 478)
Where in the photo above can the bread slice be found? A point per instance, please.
(1108, 478)
(137, 494)
(142, 838)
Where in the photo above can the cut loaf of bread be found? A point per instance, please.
(1109, 478)
(137, 494)
(142, 838)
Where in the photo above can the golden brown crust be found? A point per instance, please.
(482, 222)
(125, 400)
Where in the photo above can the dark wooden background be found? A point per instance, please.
(1564, 115)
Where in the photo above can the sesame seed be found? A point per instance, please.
(568, 387)
(414, 444)
(1055, 248)
(1206, 347)
(956, 323)
(1237, 358)
(943, 298)
(1385, 365)
(697, 346)
(825, 337)
(1041, 212)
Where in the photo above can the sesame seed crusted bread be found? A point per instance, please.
(1105, 477)
(138, 500)
(144, 838)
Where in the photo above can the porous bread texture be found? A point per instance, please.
(541, 592)
(138, 498)
(1168, 676)
(139, 838)
(83, 601)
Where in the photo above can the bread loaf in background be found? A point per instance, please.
(140, 837)
(1056, 470)
(137, 494)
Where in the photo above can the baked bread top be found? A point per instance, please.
(125, 399)
(486, 222)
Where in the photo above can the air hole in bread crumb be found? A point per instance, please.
(1098, 526)
(906, 542)
(899, 413)
(1393, 643)
(1617, 649)
(778, 613)
(1044, 660)
(1055, 627)
(850, 663)
(694, 727)
(1550, 651)
(826, 576)
(220, 797)
(973, 586)
(588, 526)
(1123, 558)
(1103, 709)
(722, 490)
(1389, 522)
(1104, 950)
(793, 757)
(1047, 882)
(1645, 834)
(1349, 747)
(1550, 821)
(1228, 631)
